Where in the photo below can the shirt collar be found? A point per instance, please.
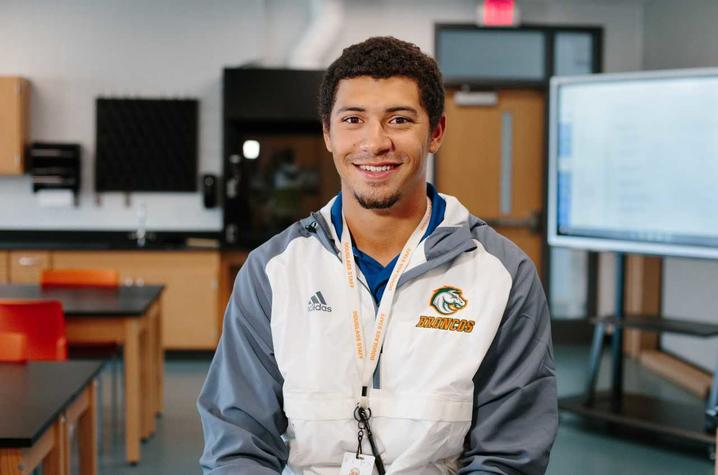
(438, 208)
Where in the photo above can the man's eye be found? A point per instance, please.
(400, 120)
(351, 119)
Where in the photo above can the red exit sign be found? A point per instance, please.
(498, 13)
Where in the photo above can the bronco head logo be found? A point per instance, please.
(448, 300)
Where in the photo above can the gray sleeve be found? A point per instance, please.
(241, 402)
(515, 416)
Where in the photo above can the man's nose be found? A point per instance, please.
(376, 141)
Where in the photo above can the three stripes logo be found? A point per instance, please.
(318, 304)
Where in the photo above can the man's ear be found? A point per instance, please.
(437, 135)
(327, 139)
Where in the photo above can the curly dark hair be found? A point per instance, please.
(383, 57)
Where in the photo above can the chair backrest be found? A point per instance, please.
(43, 324)
(13, 347)
(80, 278)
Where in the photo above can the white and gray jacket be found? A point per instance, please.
(448, 397)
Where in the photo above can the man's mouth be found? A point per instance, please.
(378, 168)
(377, 171)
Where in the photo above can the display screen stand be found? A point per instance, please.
(640, 411)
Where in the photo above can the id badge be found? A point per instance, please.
(357, 466)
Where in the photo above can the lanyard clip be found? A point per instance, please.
(363, 400)
(362, 416)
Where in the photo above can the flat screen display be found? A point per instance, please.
(633, 163)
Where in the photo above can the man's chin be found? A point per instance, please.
(376, 202)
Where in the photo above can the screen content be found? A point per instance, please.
(637, 160)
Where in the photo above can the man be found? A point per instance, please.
(391, 323)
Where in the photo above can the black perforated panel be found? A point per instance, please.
(146, 144)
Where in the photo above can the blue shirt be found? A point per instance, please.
(377, 275)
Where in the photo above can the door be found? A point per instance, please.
(4, 268)
(492, 160)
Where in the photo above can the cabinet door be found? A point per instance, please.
(4, 271)
(14, 95)
(189, 307)
(189, 302)
(26, 266)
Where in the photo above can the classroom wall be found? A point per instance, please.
(75, 50)
(414, 19)
(682, 35)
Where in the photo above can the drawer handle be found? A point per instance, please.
(28, 261)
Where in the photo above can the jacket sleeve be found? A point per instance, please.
(241, 402)
(515, 416)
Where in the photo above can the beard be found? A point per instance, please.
(371, 202)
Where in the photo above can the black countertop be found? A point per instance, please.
(129, 301)
(108, 240)
(32, 396)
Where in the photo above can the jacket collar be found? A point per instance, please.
(450, 239)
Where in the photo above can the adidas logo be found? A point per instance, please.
(318, 304)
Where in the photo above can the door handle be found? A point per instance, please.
(506, 179)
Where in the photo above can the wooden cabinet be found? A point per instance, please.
(190, 299)
(190, 302)
(25, 267)
(4, 271)
(14, 101)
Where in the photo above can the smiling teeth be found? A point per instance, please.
(371, 168)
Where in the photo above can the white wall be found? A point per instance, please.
(682, 35)
(284, 23)
(73, 51)
(405, 19)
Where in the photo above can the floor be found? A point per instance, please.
(579, 448)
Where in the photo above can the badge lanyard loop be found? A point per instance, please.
(368, 361)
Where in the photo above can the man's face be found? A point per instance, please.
(379, 135)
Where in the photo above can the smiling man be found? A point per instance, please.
(392, 331)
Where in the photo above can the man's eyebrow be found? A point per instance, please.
(351, 109)
(402, 109)
(388, 109)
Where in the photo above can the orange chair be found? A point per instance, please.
(80, 278)
(13, 347)
(43, 324)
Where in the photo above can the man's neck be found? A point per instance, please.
(382, 233)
